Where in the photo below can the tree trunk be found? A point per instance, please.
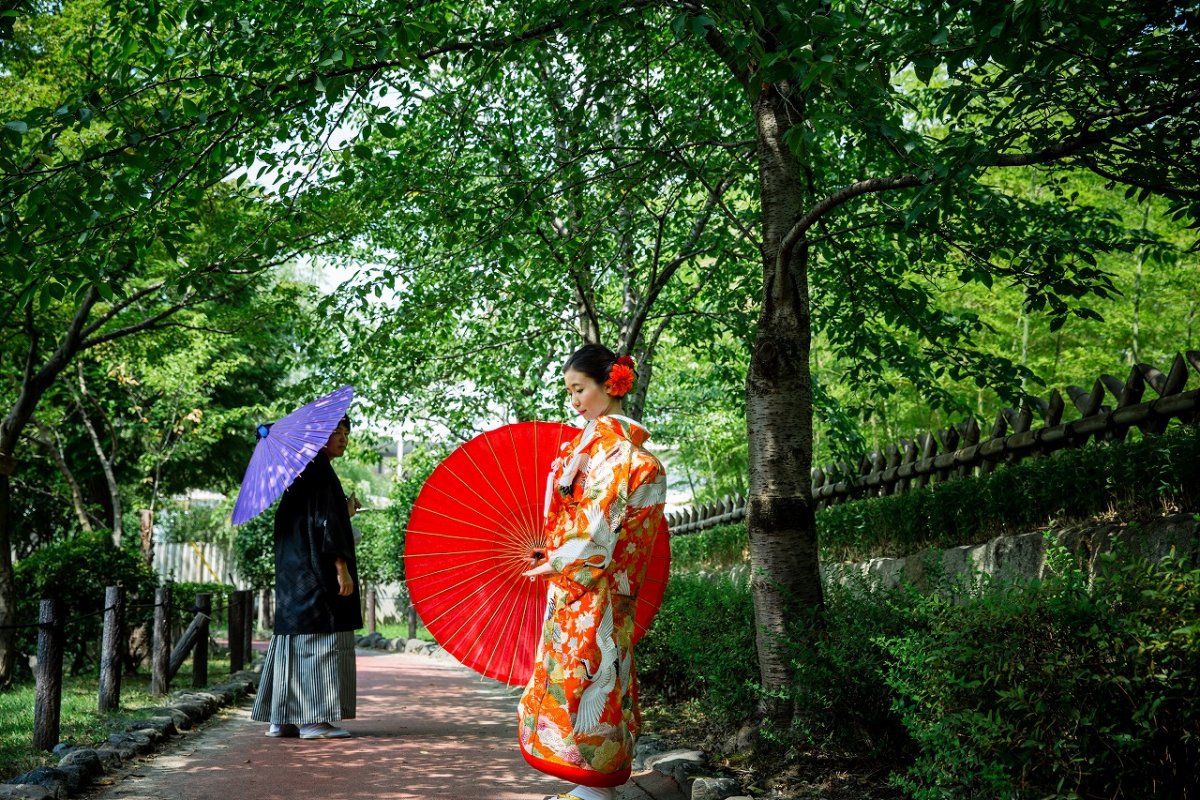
(52, 442)
(146, 529)
(782, 529)
(106, 463)
(8, 589)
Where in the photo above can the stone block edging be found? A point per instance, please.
(78, 765)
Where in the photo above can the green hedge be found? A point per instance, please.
(76, 572)
(1053, 689)
(1126, 477)
(709, 549)
(701, 648)
(1129, 478)
(1046, 689)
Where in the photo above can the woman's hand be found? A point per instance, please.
(345, 582)
(352, 505)
(541, 566)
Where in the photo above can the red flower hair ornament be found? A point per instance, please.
(620, 377)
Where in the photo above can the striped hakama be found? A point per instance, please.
(307, 678)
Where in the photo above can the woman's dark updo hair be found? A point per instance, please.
(344, 422)
(593, 360)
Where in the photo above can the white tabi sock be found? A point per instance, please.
(592, 793)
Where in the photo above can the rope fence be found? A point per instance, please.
(165, 660)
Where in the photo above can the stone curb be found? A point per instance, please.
(419, 647)
(688, 768)
(78, 766)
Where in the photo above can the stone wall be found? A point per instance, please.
(1024, 555)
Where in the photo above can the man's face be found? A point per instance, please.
(336, 446)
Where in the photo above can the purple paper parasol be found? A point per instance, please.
(285, 448)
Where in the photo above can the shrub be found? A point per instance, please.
(1136, 476)
(183, 600)
(1130, 477)
(76, 571)
(842, 698)
(701, 647)
(717, 547)
(1052, 689)
(254, 550)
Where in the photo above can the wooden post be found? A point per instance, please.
(146, 531)
(412, 620)
(200, 654)
(371, 610)
(110, 649)
(184, 645)
(48, 695)
(248, 625)
(160, 657)
(237, 622)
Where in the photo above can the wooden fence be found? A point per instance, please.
(165, 660)
(960, 451)
(195, 562)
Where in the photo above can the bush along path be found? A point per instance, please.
(426, 728)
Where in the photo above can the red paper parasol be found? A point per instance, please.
(475, 522)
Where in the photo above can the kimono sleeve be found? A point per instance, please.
(337, 538)
(591, 535)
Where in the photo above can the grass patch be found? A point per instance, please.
(80, 722)
(399, 630)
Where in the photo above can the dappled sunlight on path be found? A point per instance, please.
(426, 729)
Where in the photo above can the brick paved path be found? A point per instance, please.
(426, 728)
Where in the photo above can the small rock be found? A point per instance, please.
(10, 791)
(110, 756)
(682, 765)
(51, 779)
(182, 721)
(84, 758)
(62, 748)
(647, 746)
(397, 645)
(75, 777)
(195, 711)
(151, 735)
(164, 725)
(714, 788)
(745, 739)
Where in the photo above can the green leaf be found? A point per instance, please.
(923, 67)
(679, 25)
(18, 126)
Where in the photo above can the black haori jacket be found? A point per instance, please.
(312, 530)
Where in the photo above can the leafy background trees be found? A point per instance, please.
(817, 227)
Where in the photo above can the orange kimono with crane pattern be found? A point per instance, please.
(579, 714)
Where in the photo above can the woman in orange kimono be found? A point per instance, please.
(579, 715)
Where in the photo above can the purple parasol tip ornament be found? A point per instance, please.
(285, 448)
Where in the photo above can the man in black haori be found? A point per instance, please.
(308, 679)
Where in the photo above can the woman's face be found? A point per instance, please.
(587, 397)
(336, 446)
